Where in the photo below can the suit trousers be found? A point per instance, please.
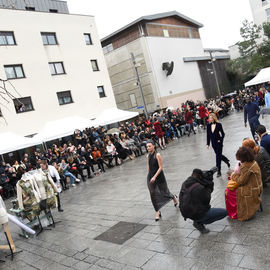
(219, 157)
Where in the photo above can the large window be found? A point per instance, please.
(14, 71)
(88, 39)
(133, 100)
(94, 65)
(7, 38)
(23, 104)
(268, 13)
(49, 38)
(101, 91)
(64, 97)
(57, 68)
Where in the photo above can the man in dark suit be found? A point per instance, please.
(251, 113)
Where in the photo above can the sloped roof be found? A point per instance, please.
(154, 17)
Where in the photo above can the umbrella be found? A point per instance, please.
(113, 130)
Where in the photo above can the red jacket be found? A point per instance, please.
(202, 111)
(189, 117)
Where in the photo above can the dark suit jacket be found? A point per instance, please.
(216, 137)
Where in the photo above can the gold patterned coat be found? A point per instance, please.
(249, 189)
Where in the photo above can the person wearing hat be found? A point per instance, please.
(251, 113)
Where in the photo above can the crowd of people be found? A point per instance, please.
(95, 150)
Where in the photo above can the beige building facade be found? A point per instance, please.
(56, 64)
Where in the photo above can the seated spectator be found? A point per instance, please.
(98, 159)
(126, 148)
(264, 138)
(65, 167)
(112, 151)
(248, 184)
(132, 146)
(262, 158)
(81, 164)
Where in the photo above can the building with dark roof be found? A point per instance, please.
(170, 60)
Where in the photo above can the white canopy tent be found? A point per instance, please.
(113, 115)
(262, 77)
(10, 142)
(62, 127)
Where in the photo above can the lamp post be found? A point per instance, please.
(215, 73)
(139, 83)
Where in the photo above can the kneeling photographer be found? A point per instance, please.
(195, 197)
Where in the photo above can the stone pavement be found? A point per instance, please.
(121, 194)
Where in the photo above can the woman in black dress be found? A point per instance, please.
(216, 135)
(156, 181)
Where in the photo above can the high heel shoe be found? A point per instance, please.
(157, 219)
(175, 204)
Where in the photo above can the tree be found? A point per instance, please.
(255, 52)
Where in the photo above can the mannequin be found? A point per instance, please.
(46, 187)
(28, 196)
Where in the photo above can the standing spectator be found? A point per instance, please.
(189, 121)
(267, 98)
(159, 133)
(251, 113)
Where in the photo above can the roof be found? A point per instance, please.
(154, 17)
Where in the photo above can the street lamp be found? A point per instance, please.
(136, 65)
(215, 73)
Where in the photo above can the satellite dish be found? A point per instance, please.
(168, 68)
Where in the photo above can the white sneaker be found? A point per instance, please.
(73, 185)
(78, 180)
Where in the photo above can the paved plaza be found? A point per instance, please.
(121, 194)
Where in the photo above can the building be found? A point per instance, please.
(170, 59)
(55, 62)
(54, 6)
(260, 11)
(234, 51)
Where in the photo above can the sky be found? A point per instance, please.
(222, 19)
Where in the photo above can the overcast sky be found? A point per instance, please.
(222, 19)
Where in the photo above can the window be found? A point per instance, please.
(30, 8)
(7, 38)
(1, 115)
(101, 91)
(107, 48)
(53, 10)
(57, 68)
(23, 104)
(88, 39)
(64, 97)
(166, 33)
(49, 38)
(268, 13)
(133, 100)
(14, 71)
(94, 65)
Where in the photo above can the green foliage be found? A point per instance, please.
(254, 50)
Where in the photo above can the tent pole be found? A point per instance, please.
(2, 158)
(45, 146)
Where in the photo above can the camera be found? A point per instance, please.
(209, 174)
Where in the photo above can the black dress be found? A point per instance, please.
(159, 192)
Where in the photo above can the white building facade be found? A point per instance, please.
(56, 64)
(260, 11)
(158, 41)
